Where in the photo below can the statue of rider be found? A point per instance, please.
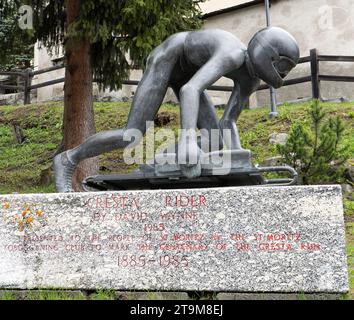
(189, 63)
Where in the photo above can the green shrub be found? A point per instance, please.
(315, 151)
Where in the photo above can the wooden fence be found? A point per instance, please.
(315, 77)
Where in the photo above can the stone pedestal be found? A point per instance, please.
(246, 239)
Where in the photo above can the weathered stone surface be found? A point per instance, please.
(278, 138)
(279, 296)
(349, 171)
(152, 295)
(272, 162)
(347, 189)
(249, 239)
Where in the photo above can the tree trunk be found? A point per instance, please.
(78, 103)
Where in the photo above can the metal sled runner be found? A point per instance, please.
(237, 170)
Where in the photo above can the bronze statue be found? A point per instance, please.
(189, 63)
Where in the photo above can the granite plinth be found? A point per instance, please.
(239, 239)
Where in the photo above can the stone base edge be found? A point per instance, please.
(47, 294)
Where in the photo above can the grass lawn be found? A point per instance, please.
(24, 167)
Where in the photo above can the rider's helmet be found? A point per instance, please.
(273, 53)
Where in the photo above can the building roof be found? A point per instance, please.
(216, 5)
(211, 9)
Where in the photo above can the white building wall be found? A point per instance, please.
(43, 59)
(322, 24)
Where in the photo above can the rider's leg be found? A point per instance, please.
(146, 102)
(208, 123)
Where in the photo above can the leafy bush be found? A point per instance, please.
(315, 151)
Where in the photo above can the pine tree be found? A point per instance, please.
(98, 35)
(16, 45)
(315, 151)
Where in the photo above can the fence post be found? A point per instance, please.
(27, 85)
(316, 93)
